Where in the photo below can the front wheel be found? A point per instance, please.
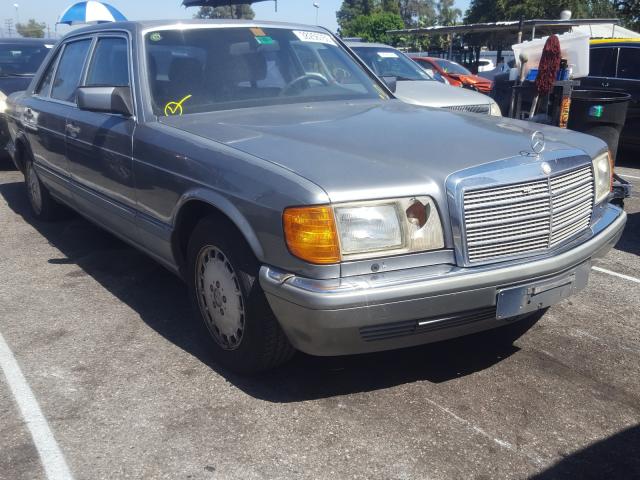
(243, 333)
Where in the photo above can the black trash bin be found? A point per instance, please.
(599, 113)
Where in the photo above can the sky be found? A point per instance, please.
(300, 11)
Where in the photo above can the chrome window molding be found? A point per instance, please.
(513, 170)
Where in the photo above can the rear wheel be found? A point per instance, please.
(43, 206)
(243, 333)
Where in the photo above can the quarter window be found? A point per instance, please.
(70, 70)
(110, 65)
(629, 63)
(602, 62)
(45, 84)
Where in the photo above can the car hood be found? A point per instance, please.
(374, 149)
(9, 85)
(436, 94)
(470, 78)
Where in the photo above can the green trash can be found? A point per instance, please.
(600, 113)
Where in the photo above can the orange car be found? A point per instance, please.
(457, 75)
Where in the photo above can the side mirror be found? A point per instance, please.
(391, 82)
(106, 99)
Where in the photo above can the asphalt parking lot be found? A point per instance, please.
(103, 338)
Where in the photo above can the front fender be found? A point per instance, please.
(227, 208)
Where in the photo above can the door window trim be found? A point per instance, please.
(63, 48)
(617, 48)
(114, 34)
(92, 53)
(620, 47)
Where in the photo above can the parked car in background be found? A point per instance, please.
(303, 204)
(614, 65)
(20, 58)
(457, 75)
(413, 85)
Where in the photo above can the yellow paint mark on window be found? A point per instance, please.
(175, 108)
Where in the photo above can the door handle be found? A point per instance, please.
(72, 130)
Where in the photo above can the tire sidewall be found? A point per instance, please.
(248, 356)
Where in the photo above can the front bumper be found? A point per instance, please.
(415, 306)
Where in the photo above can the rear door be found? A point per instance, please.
(628, 80)
(99, 145)
(45, 113)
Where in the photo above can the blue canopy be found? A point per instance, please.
(91, 12)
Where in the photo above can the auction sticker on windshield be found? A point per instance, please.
(387, 55)
(315, 37)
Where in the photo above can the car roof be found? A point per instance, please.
(147, 25)
(607, 41)
(27, 41)
(367, 45)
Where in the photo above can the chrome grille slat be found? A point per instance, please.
(528, 217)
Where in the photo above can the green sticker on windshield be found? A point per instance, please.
(155, 37)
(264, 40)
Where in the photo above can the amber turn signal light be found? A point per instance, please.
(311, 234)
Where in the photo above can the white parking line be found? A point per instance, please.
(624, 175)
(616, 274)
(52, 459)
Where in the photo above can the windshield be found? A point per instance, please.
(388, 62)
(207, 69)
(17, 60)
(452, 67)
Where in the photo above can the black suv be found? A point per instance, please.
(615, 66)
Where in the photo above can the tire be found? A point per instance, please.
(43, 206)
(242, 331)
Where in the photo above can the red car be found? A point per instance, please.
(456, 74)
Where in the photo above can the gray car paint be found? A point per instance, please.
(252, 163)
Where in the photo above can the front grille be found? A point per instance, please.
(527, 217)
(415, 327)
(469, 108)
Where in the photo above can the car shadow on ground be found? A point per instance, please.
(630, 241)
(613, 457)
(160, 299)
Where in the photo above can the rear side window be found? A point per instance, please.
(629, 63)
(110, 64)
(602, 62)
(45, 84)
(70, 70)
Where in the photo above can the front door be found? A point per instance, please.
(99, 145)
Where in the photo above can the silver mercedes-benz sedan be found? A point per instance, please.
(303, 204)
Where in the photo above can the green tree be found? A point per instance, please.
(481, 11)
(390, 6)
(350, 9)
(31, 29)
(417, 12)
(629, 12)
(233, 11)
(373, 28)
(447, 13)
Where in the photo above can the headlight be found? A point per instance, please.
(603, 175)
(495, 110)
(352, 231)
